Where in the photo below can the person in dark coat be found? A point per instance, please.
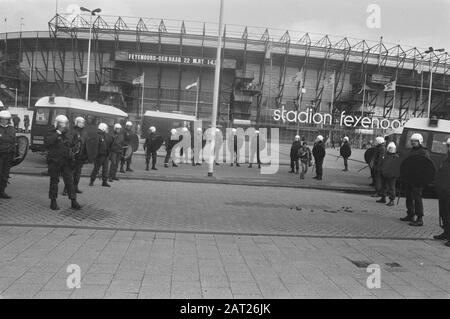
(295, 164)
(116, 152)
(60, 159)
(151, 146)
(305, 157)
(380, 151)
(7, 150)
(346, 152)
(414, 203)
(170, 144)
(319, 156)
(444, 205)
(16, 122)
(80, 137)
(388, 175)
(26, 122)
(127, 133)
(104, 149)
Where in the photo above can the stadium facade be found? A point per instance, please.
(262, 70)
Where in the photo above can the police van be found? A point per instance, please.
(435, 133)
(48, 108)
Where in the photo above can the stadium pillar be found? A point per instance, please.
(216, 92)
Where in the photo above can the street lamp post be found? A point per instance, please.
(88, 69)
(216, 91)
(429, 51)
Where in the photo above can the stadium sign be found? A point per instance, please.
(171, 59)
(345, 120)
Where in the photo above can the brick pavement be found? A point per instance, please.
(131, 264)
(228, 209)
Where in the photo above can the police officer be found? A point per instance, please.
(380, 151)
(345, 152)
(294, 155)
(60, 158)
(104, 148)
(235, 154)
(7, 150)
(257, 151)
(79, 136)
(444, 207)
(127, 133)
(150, 149)
(388, 178)
(414, 202)
(116, 152)
(319, 156)
(170, 143)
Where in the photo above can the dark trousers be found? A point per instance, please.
(5, 167)
(319, 168)
(378, 182)
(57, 169)
(295, 163)
(346, 162)
(444, 213)
(389, 187)
(414, 202)
(100, 162)
(114, 165)
(168, 155)
(151, 154)
(77, 167)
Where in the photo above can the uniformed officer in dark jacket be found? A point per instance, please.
(380, 151)
(345, 152)
(60, 159)
(7, 150)
(151, 145)
(319, 156)
(294, 155)
(104, 148)
(414, 203)
(170, 144)
(388, 174)
(79, 136)
(444, 205)
(116, 152)
(127, 133)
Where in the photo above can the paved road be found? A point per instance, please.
(126, 264)
(334, 179)
(206, 208)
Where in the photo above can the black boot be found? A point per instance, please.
(91, 183)
(154, 168)
(121, 169)
(4, 195)
(54, 205)
(417, 223)
(174, 165)
(407, 219)
(147, 168)
(442, 236)
(391, 203)
(75, 205)
(382, 200)
(166, 165)
(105, 184)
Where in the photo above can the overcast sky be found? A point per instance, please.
(409, 22)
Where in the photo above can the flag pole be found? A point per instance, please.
(29, 83)
(196, 99)
(142, 98)
(362, 108)
(216, 92)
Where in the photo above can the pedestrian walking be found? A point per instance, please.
(345, 152)
(390, 166)
(319, 156)
(305, 157)
(294, 155)
(102, 159)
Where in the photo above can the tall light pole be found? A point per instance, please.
(216, 92)
(429, 51)
(88, 69)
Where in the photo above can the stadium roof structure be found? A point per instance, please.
(256, 38)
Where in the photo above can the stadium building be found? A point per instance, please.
(263, 70)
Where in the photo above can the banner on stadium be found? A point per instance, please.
(171, 59)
